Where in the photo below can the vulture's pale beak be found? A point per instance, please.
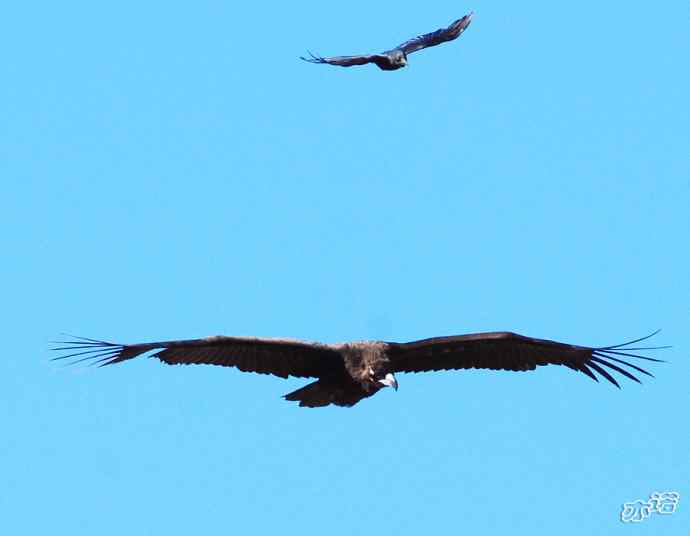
(390, 381)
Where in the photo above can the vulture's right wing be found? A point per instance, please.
(346, 61)
(280, 357)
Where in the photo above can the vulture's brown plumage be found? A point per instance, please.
(348, 372)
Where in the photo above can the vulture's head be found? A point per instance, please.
(398, 58)
(383, 379)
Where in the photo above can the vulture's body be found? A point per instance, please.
(348, 372)
(396, 58)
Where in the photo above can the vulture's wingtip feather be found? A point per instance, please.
(604, 373)
(628, 343)
(93, 349)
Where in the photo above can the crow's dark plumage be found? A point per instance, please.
(396, 58)
(348, 372)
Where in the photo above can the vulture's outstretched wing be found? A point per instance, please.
(346, 61)
(510, 351)
(280, 357)
(439, 36)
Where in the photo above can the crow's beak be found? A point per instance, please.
(390, 381)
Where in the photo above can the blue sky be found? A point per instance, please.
(173, 170)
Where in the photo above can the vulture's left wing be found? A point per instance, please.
(510, 351)
(280, 357)
(436, 38)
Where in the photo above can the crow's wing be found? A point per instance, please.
(510, 351)
(280, 357)
(436, 38)
(346, 61)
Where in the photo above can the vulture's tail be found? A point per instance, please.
(314, 395)
(323, 392)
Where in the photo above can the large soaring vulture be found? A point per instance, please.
(396, 58)
(348, 372)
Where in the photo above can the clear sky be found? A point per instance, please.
(172, 170)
